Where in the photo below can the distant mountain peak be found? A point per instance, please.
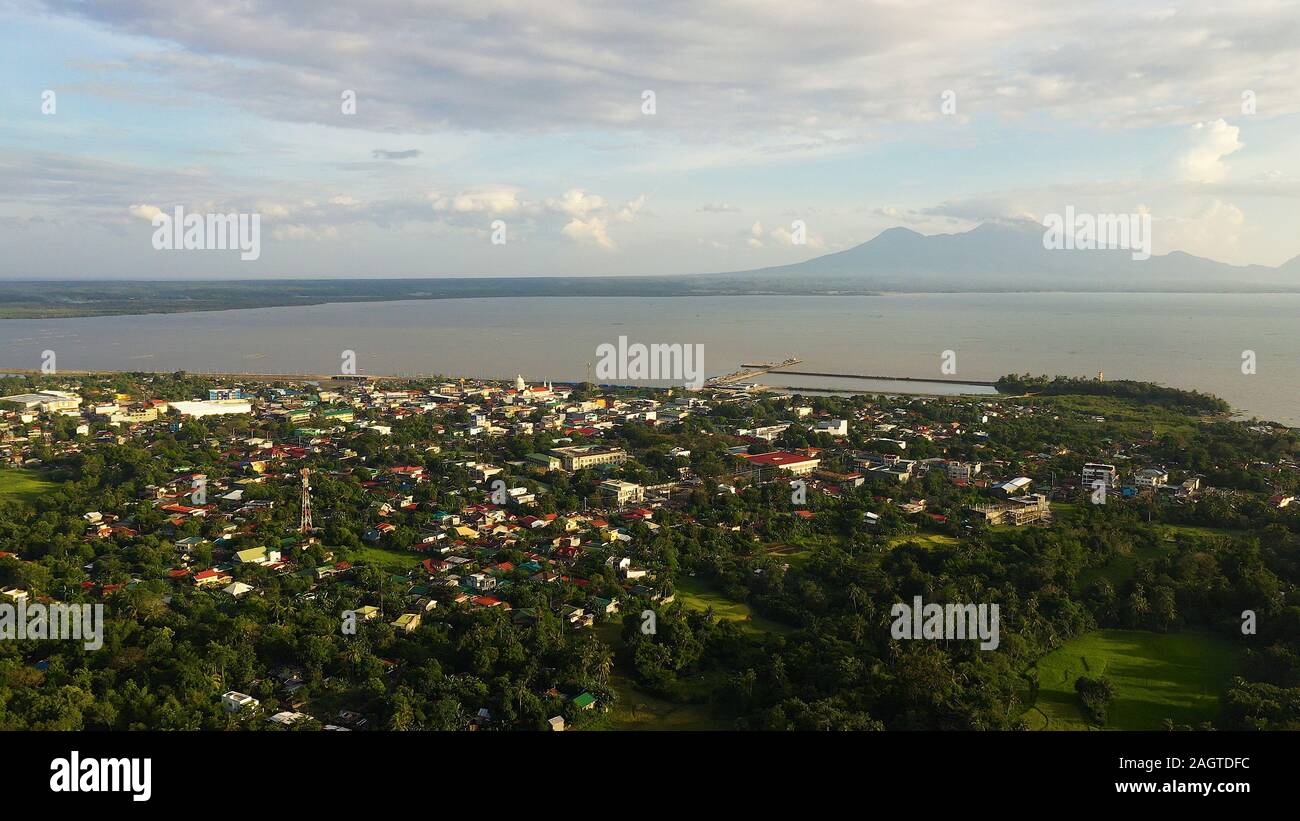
(1009, 255)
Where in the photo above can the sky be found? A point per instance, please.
(624, 138)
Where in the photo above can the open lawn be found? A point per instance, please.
(636, 710)
(22, 484)
(794, 555)
(1204, 533)
(1062, 509)
(925, 540)
(697, 594)
(397, 561)
(1157, 676)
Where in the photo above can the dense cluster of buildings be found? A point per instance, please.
(476, 520)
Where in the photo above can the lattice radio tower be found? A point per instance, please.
(305, 527)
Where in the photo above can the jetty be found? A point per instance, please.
(751, 370)
(938, 379)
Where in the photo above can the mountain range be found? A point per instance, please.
(1011, 256)
(992, 257)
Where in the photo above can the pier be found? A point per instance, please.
(938, 379)
(749, 371)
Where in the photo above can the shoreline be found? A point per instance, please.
(60, 312)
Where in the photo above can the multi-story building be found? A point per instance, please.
(835, 427)
(134, 416)
(543, 462)
(871, 460)
(1021, 510)
(581, 457)
(234, 701)
(1151, 477)
(765, 432)
(1096, 471)
(900, 470)
(211, 408)
(623, 493)
(964, 471)
(795, 463)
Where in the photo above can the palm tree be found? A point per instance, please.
(856, 595)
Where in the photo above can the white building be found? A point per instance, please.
(1015, 486)
(211, 408)
(964, 471)
(835, 427)
(233, 702)
(623, 493)
(47, 401)
(1151, 477)
(765, 432)
(1096, 471)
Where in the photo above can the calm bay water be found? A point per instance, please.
(1184, 340)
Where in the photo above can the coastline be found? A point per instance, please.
(65, 299)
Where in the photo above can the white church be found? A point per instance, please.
(526, 392)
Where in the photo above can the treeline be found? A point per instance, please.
(837, 667)
(1147, 392)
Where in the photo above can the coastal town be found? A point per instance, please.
(403, 515)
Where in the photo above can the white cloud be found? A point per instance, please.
(1207, 144)
(272, 211)
(1215, 231)
(304, 232)
(576, 203)
(591, 231)
(630, 209)
(145, 212)
(493, 201)
(784, 236)
(786, 74)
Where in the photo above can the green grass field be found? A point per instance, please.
(1202, 533)
(22, 484)
(697, 594)
(636, 710)
(928, 541)
(791, 554)
(397, 561)
(1176, 676)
